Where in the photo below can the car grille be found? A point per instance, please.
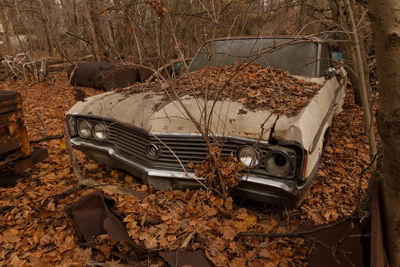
(188, 149)
(132, 143)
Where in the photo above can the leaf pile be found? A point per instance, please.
(257, 88)
(196, 219)
(220, 173)
(34, 229)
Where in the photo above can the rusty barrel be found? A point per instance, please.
(13, 135)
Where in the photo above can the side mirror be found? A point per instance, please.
(336, 56)
(330, 73)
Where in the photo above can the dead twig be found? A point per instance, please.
(72, 156)
(77, 37)
(113, 188)
(300, 234)
(47, 138)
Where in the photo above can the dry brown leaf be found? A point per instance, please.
(229, 233)
(10, 236)
(150, 242)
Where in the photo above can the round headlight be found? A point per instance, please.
(84, 128)
(249, 156)
(278, 163)
(100, 132)
(153, 151)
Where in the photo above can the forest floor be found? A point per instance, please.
(35, 229)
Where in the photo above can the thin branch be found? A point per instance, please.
(72, 156)
(47, 138)
(79, 38)
(44, 134)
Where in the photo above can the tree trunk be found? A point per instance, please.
(4, 22)
(363, 89)
(95, 40)
(342, 18)
(12, 28)
(385, 21)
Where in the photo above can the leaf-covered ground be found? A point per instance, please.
(35, 230)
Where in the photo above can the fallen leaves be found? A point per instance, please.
(334, 191)
(221, 173)
(257, 88)
(34, 229)
(10, 236)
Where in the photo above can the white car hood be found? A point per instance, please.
(154, 115)
(148, 111)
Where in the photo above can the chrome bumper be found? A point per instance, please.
(282, 192)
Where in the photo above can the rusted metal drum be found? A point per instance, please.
(15, 149)
(13, 133)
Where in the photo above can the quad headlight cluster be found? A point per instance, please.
(278, 162)
(87, 129)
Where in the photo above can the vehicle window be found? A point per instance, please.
(325, 61)
(299, 57)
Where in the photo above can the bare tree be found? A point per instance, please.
(86, 5)
(385, 20)
(5, 23)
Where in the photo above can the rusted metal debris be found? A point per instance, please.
(91, 216)
(341, 245)
(186, 258)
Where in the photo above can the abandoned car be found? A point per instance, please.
(152, 136)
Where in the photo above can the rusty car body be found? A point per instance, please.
(110, 75)
(138, 134)
(16, 153)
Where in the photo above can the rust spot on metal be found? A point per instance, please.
(25, 145)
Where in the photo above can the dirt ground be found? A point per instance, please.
(35, 230)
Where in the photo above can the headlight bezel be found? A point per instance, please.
(88, 123)
(290, 152)
(280, 154)
(257, 154)
(94, 131)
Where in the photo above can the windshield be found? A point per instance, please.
(299, 57)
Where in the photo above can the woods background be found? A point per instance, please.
(144, 30)
(148, 29)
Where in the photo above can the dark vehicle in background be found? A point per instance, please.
(111, 75)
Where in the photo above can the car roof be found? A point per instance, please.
(294, 37)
